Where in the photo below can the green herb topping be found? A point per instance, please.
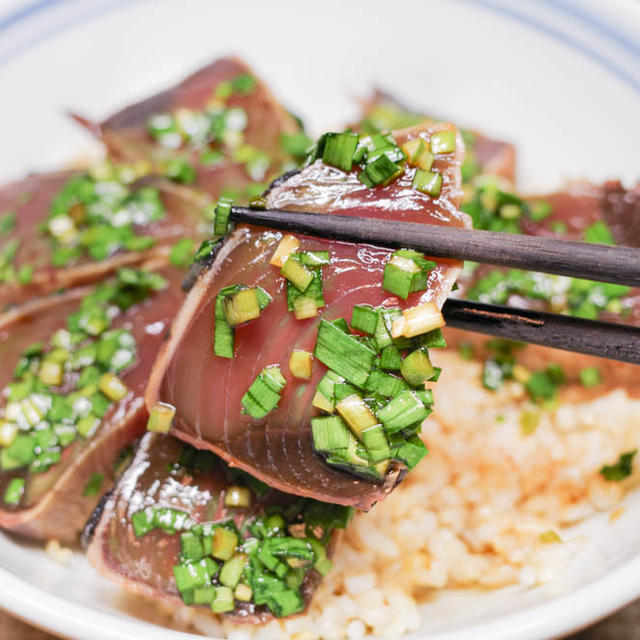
(62, 389)
(621, 469)
(235, 305)
(381, 160)
(263, 560)
(99, 216)
(373, 392)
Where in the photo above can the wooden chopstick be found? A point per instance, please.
(602, 339)
(620, 265)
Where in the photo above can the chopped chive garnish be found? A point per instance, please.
(112, 387)
(376, 443)
(288, 245)
(380, 171)
(598, 233)
(406, 272)
(300, 364)
(182, 252)
(161, 418)
(390, 358)
(590, 377)
(7, 222)
(404, 410)
(314, 258)
(245, 305)
(237, 497)
(14, 491)
(223, 544)
(621, 469)
(343, 353)
(418, 154)
(221, 220)
(443, 141)
(417, 320)
(93, 485)
(231, 571)
(296, 273)
(223, 600)
(364, 318)
(429, 182)
(305, 307)
(330, 434)
(410, 451)
(356, 414)
(295, 144)
(264, 394)
(416, 368)
(180, 170)
(339, 149)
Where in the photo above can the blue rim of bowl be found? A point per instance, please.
(509, 10)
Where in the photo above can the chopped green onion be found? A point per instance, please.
(223, 544)
(231, 571)
(621, 469)
(356, 414)
(245, 306)
(7, 222)
(443, 141)
(288, 245)
(330, 434)
(51, 373)
(300, 364)
(385, 385)
(112, 387)
(223, 600)
(285, 603)
(343, 353)
(376, 443)
(417, 320)
(264, 393)
(416, 368)
(364, 318)
(402, 411)
(182, 252)
(88, 425)
(590, 377)
(324, 397)
(221, 220)
(406, 272)
(380, 171)
(410, 451)
(314, 258)
(305, 307)
(243, 592)
(223, 336)
(14, 491)
(418, 154)
(21, 450)
(8, 432)
(390, 358)
(237, 497)
(296, 273)
(295, 144)
(540, 210)
(92, 488)
(161, 418)
(598, 233)
(429, 182)
(339, 149)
